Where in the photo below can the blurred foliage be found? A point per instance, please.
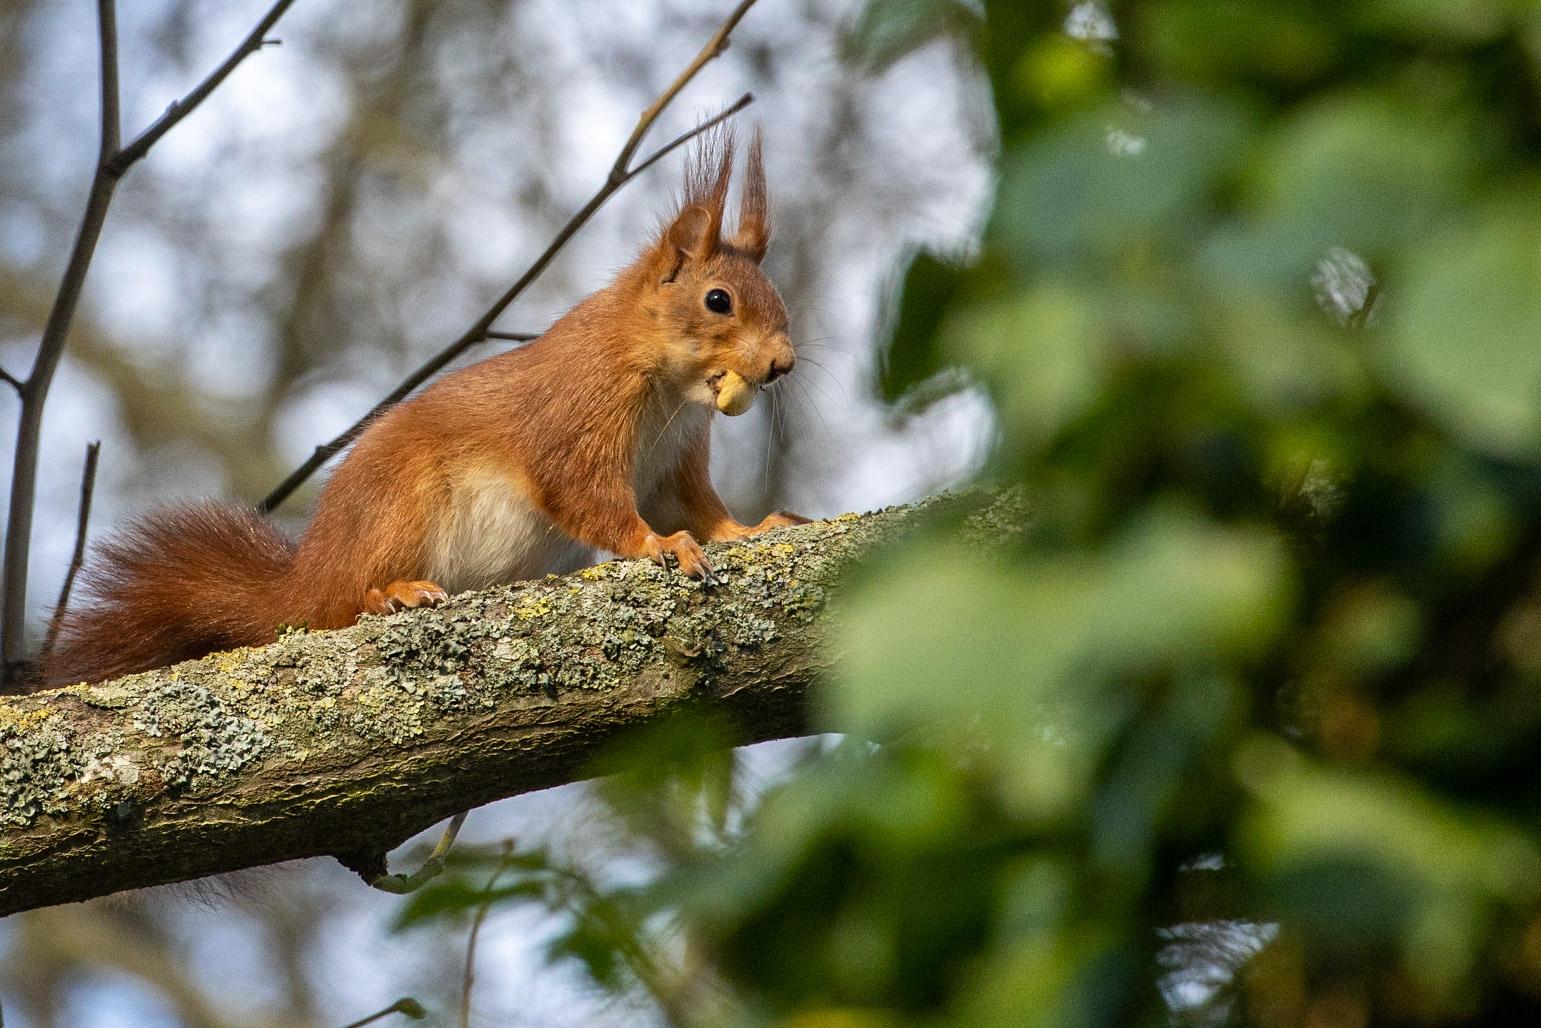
(1245, 728)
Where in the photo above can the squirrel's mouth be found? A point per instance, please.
(733, 392)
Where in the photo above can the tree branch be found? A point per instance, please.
(82, 523)
(685, 137)
(112, 162)
(34, 391)
(468, 972)
(406, 1005)
(348, 742)
(621, 172)
(713, 49)
(255, 40)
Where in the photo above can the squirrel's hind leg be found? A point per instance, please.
(403, 595)
(778, 519)
(727, 529)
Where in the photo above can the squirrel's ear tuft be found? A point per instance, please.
(695, 232)
(753, 236)
(706, 180)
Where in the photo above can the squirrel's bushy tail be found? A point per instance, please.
(180, 583)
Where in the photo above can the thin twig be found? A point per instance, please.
(405, 1005)
(1361, 317)
(112, 162)
(666, 989)
(400, 885)
(87, 488)
(111, 135)
(513, 337)
(685, 137)
(10, 380)
(713, 48)
(468, 976)
(34, 392)
(621, 172)
(179, 109)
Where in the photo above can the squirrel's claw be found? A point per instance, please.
(682, 546)
(403, 596)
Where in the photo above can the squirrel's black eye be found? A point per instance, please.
(719, 302)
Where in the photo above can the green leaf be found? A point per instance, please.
(889, 29)
(1464, 335)
(1364, 169)
(522, 875)
(1022, 657)
(1108, 182)
(914, 353)
(1045, 352)
(1442, 23)
(1365, 859)
(1221, 42)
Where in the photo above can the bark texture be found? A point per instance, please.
(345, 743)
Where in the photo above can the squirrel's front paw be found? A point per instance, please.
(402, 595)
(683, 547)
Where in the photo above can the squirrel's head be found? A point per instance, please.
(720, 326)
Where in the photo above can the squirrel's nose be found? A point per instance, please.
(780, 365)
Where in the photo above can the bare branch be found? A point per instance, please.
(468, 974)
(10, 380)
(685, 137)
(34, 392)
(1361, 317)
(107, 27)
(111, 164)
(179, 109)
(621, 172)
(406, 1006)
(87, 488)
(371, 868)
(513, 337)
(713, 48)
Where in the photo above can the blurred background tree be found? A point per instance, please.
(1241, 730)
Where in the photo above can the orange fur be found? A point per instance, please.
(594, 436)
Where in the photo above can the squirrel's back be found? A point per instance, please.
(184, 582)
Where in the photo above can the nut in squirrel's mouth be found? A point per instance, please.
(735, 394)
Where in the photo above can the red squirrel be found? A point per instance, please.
(593, 437)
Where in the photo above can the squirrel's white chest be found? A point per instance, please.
(663, 433)
(493, 535)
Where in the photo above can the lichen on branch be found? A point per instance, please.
(348, 742)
